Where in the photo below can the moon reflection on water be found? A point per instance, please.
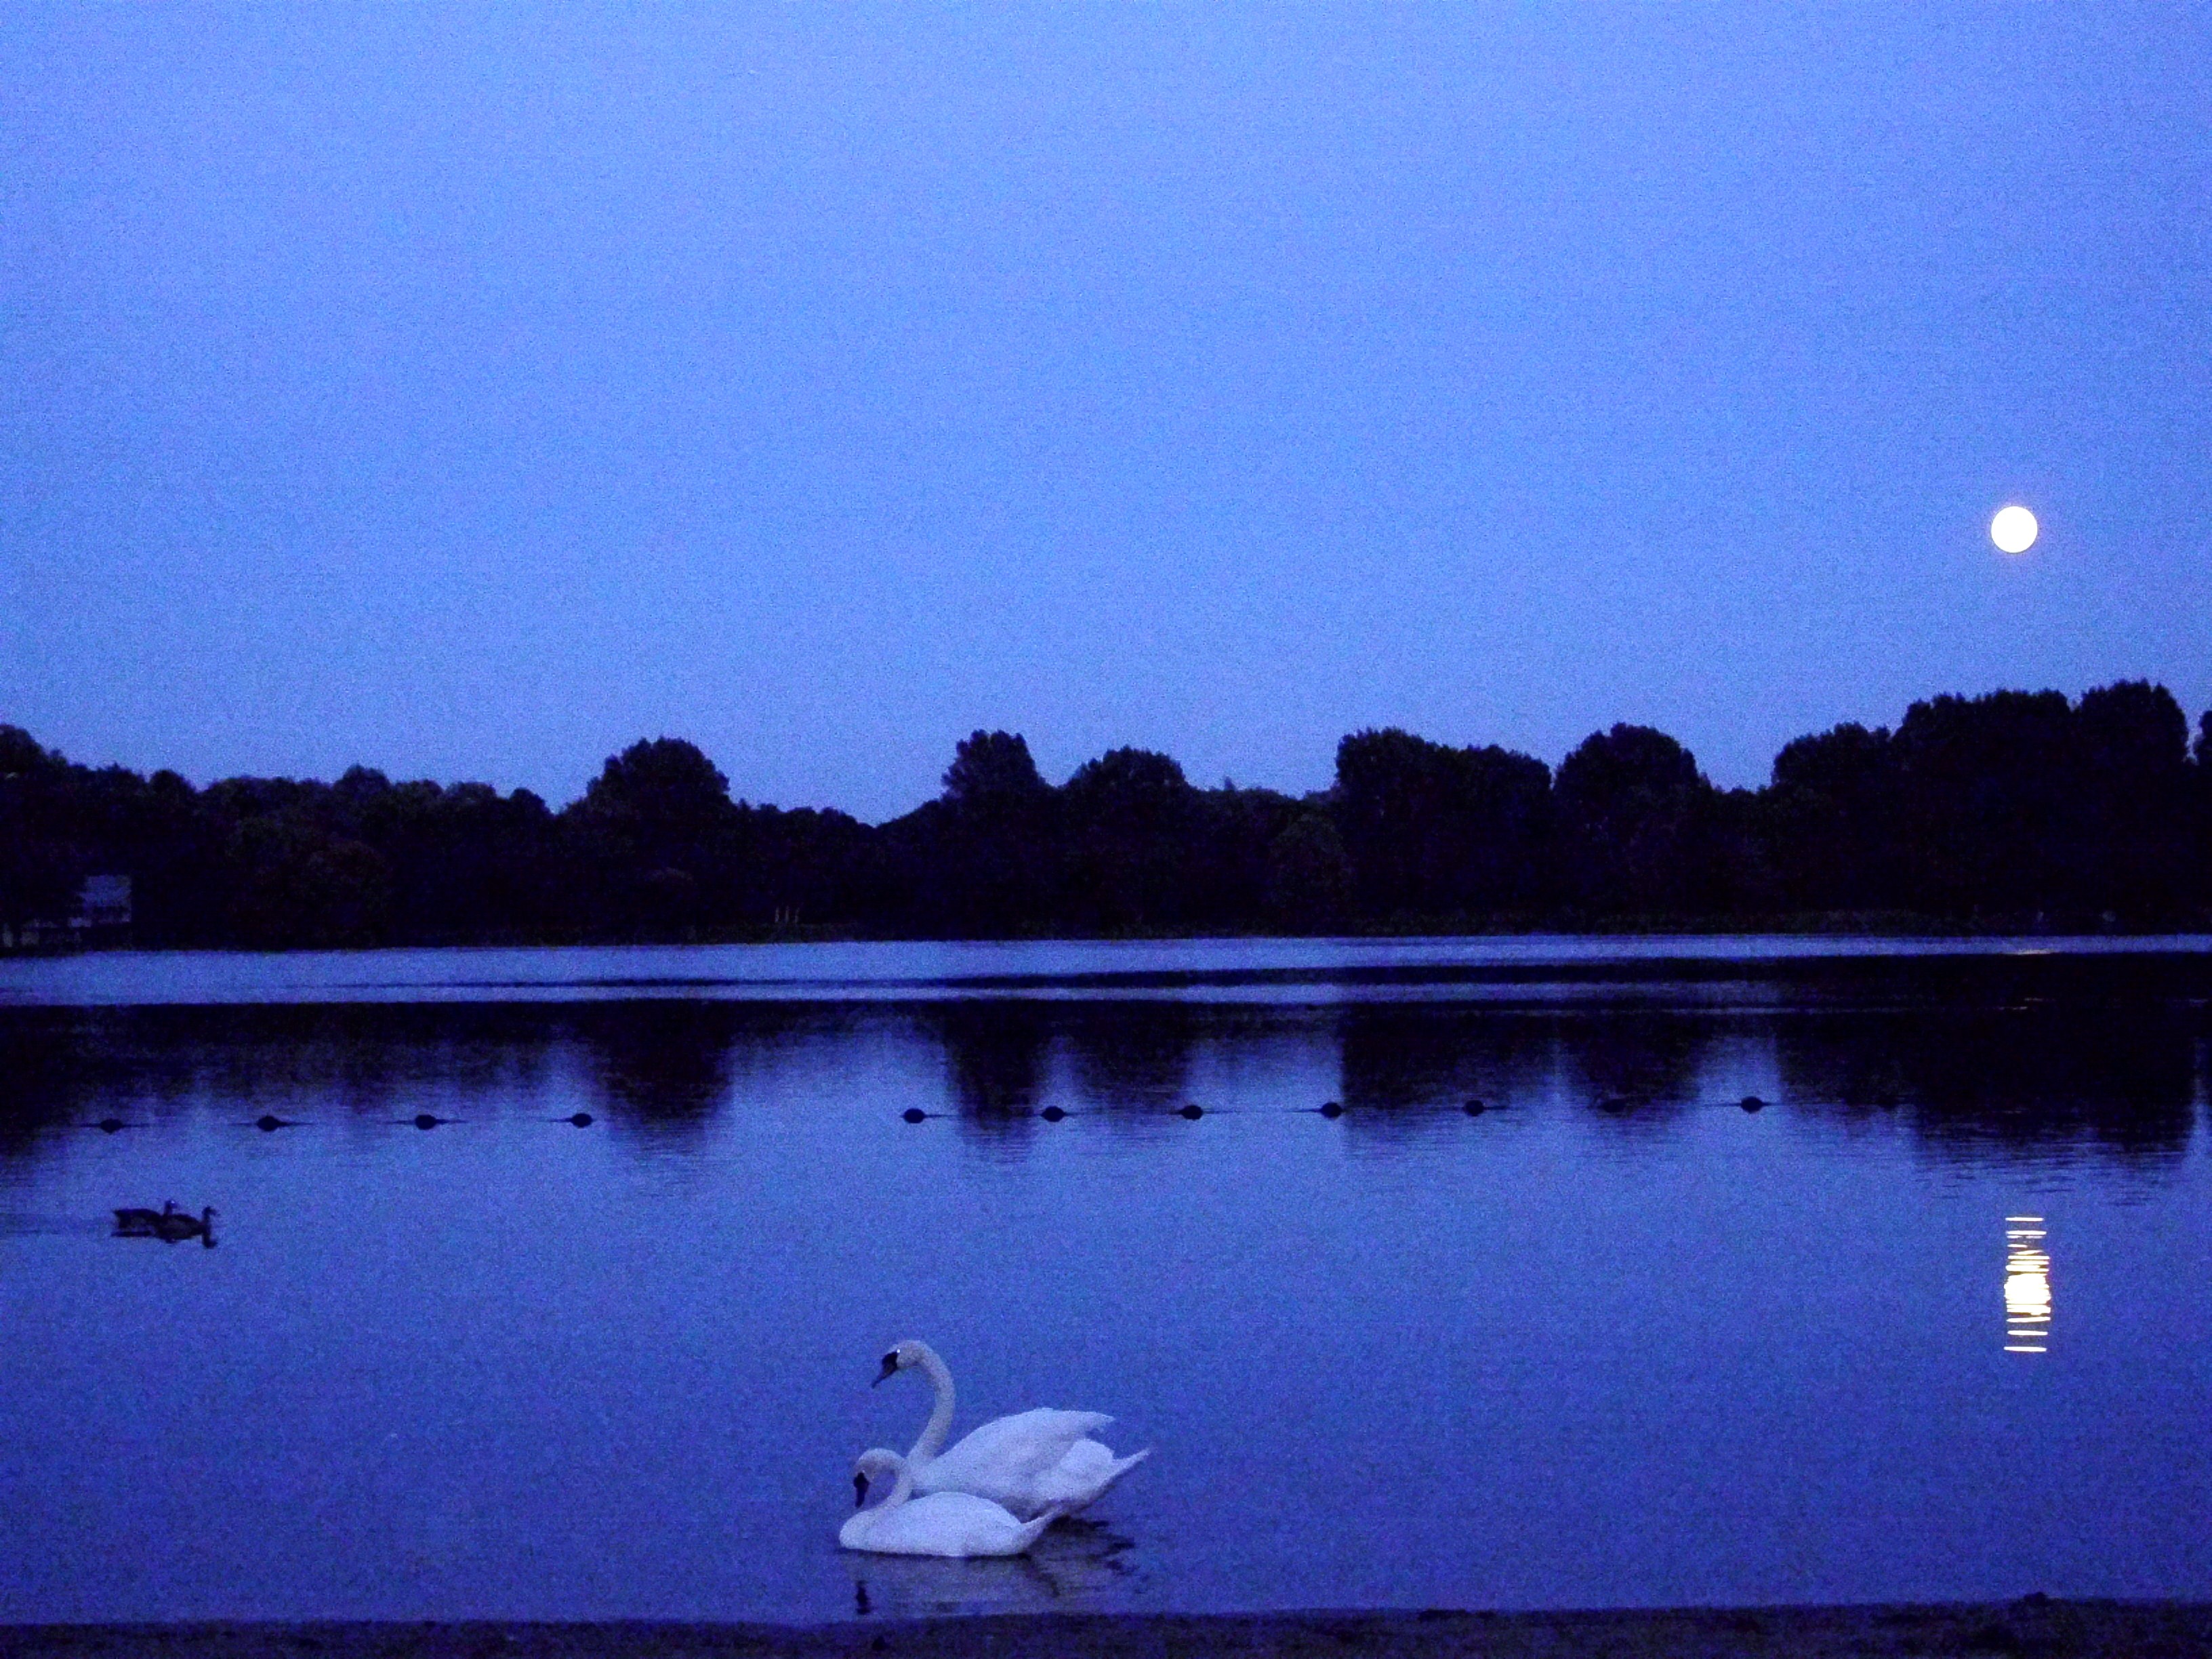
(2026, 1285)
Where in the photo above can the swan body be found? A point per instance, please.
(953, 1524)
(1031, 1463)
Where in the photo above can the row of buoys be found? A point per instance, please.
(1190, 1111)
(431, 1121)
(269, 1123)
(1475, 1107)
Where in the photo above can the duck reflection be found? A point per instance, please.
(1075, 1560)
(2026, 1285)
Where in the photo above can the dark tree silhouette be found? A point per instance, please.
(984, 858)
(299, 888)
(657, 828)
(992, 771)
(666, 792)
(1432, 830)
(1832, 821)
(40, 861)
(1634, 815)
(2133, 805)
(1309, 877)
(2006, 810)
(1988, 803)
(1239, 872)
(21, 754)
(1132, 822)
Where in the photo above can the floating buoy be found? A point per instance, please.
(914, 1115)
(581, 1120)
(1474, 1107)
(1052, 1114)
(1752, 1104)
(1193, 1111)
(268, 1121)
(108, 1125)
(424, 1120)
(1332, 1109)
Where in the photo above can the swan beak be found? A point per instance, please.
(860, 1489)
(890, 1369)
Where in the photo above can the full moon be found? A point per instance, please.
(2013, 529)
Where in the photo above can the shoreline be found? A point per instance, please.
(2046, 1627)
(1841, 925)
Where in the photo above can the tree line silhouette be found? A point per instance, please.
(2012, 809)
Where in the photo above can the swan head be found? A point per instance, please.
(897, 1357)
(872, 1466)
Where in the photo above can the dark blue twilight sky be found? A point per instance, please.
(470, 391)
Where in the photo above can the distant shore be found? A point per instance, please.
(1999, 812)
(2034, 1625)
(1841, 928)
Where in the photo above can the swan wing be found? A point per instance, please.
(1083, 1477)
(1086, 1458)
(1004, 1459)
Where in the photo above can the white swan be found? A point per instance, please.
(1032, 1462)
(956, 1524)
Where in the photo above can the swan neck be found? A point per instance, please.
(941, 1415)
(901, 1489)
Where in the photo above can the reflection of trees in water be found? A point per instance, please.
(1971, 1064)
(1410, 1054)
(1132, 1054)
(996, 1053)
(997, 1058)
(666, 1063)
(50, 1076)
(2123, 1078)
(1629, 1061)
(1075, 1559)
(77, 1065)
(375, 1059)
(370, 1059)
(664, 1066)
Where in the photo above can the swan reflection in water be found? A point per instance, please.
(1074, 1560)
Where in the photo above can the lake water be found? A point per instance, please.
(1931, 1325)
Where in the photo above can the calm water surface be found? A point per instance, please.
(1931, 1325)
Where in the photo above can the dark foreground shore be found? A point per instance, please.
(2033, 1627)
